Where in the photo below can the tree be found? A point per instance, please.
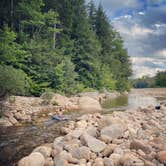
(12, 81)
(160, 79)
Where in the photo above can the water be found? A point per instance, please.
(16, 142)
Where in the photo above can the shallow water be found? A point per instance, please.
(16, 142)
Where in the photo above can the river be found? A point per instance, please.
(16, 142)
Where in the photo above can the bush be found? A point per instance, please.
(47, 97)
(12, 81)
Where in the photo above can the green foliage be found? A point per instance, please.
(68, 51)
(12, 81)
(65, 77)
(160, 79)
(47, 97)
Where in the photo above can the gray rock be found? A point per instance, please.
(113, 131)
(94, 144)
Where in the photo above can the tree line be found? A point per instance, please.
(159, 80)
(66, 46)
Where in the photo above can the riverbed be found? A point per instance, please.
(16, 142)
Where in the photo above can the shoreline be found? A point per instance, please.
(123, 138)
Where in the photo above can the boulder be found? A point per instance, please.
(34, 159)
(162, 157)
(12, 120)
(81, 153)
(109, 149)
(115, 158)
(113, 131)
(94, 144)
(130, 160)
(44, 150)
(60, 100)
(89, 104)
(91, 130)
(98, 162)
(139, 144)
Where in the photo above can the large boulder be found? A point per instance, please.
(113, 131)
(34, 159)
(89, 104)
(60, 100)
(94, 144)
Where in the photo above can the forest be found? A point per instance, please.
(159, 80)
(64, 46)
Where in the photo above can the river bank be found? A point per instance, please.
(130, 138)
(20, 110)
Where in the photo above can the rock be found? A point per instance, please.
(18, 115)
(115, 158)
(49, 162)
(91, 130)
(109, 149)
(94, 144)
(82, 124)
(77, 133)
(64, 158)
(44, 150)
(60, 100)
(130, 160)
(108, 162)
(162, 157)
(138, 144)
(89, 104)
(148, 163)
(12, 120)
(65, 130)
(98, 162)
(7, 114)
(113, 131)
(34, 159)
(81, 153)
(5, 122)
(58, 143)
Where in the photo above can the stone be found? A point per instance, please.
(98, 162)
(58, 142)
(130, 160)
(115, 158)
(12, 120)
(5, 122)
(108, 162)
(81, 153)
(65, 130)
(94, 144)
(148, 163)
(82, 124)
(139, 144)
(109, 149)
(49, 162)
(18, 115)
(34, 159)
(77, 133)
(113, 131)
(89, 104)
(60, 100)
(162, 157)
(91, 130)
(44, 150)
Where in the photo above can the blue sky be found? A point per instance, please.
(142, 24)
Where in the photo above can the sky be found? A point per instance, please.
(142, 25)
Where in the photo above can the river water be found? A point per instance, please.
(16, 142)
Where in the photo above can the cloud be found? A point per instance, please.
(142, 25)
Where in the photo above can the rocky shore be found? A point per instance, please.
(130, 138)
(20, 110)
